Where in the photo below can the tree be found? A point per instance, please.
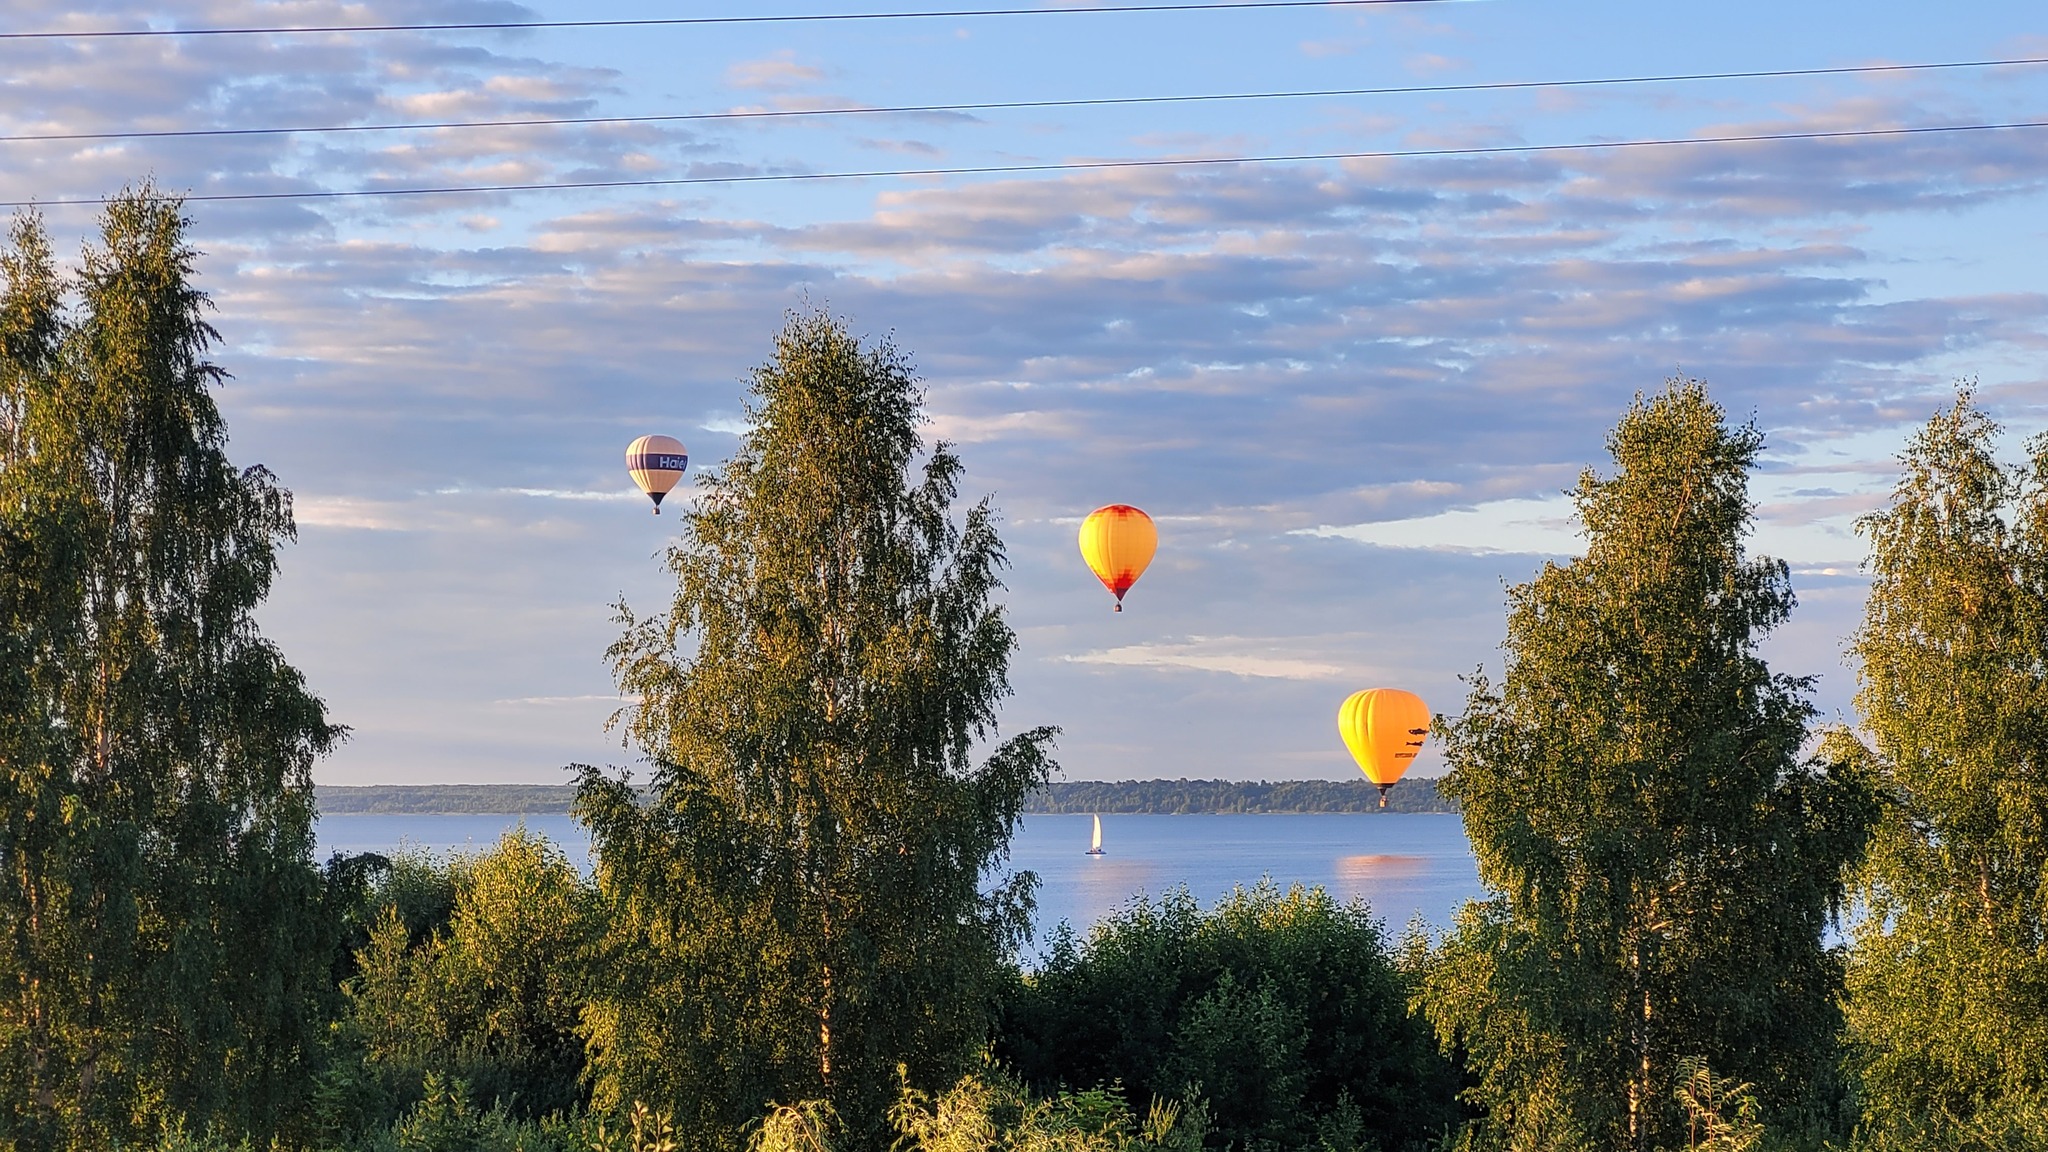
(161, 936)
(795, 907)
(1949, 984)
(1663, 863)
(1285, 1010)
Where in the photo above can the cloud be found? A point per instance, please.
(558, 494)
(242, 81)
(1528, 527)
(342, 512)
(901, 147)
(1222, 655)
(1433, 64)
(1349, 391)
(778, 72)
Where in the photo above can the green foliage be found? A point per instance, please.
(446, 1119)
(795, 909)
(164, 948)
(988, 1111)
(806, 1126)
(2008, 1123)
(419, 889)
(1664, 863)
(643, 1131)
(1720, 1114)
(176, 1138)
(1286, 1009)
(1949, 985)
(991, 1112)
(490, 996)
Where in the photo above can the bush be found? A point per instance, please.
(473, 974)
(1285, 1010)
(990, 1111)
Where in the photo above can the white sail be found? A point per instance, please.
(1096, 844)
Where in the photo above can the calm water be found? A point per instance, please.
(1402, 865)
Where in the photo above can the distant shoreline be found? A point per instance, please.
(1123, 797)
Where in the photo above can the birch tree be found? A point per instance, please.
(796, 907)
(161, 941)
(1949, 1004)
(1662, 862)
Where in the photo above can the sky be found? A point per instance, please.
(1351, 392)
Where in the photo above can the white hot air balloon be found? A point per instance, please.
(656, 464)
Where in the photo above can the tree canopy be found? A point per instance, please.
(1663, 862)
(795, 906)
(1949, 1005)
(161, 944)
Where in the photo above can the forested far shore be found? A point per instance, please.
(1130, 797)
(1206, 797)
(444, 799)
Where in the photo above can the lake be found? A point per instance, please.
(1402, 864)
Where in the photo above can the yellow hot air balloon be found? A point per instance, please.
(1117, 541)
(656, 463)
(1384, 728)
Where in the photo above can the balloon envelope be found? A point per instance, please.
(656, 464)
(1117, 541)
(1384, 728)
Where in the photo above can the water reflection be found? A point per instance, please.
(1101, 883)
(1380, 866)
(1385, 880)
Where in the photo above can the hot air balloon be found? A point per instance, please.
(656, 463)
(1384, 728)
(1117, 541)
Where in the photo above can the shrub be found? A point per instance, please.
(1286, 1009)
(488, 993)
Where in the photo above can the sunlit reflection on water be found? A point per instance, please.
(1098, 886)
(1380, 866)
(1384, 880)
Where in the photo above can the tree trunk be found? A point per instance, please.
(825, 1004)
(825, 1032)
(1639, 1084)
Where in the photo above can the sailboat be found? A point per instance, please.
(1095, 849)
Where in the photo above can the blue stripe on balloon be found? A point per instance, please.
(657, 462)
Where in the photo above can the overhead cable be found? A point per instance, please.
(1061, 166)
(1011, 105)
(700, 21)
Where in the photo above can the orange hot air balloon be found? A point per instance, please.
(1384, 728)
(1117, 541)
(656, 463)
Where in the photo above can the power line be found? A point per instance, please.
(1067, 166)
(699, 21)
(1012, 105)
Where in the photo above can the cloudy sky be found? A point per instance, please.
(1350, 391)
